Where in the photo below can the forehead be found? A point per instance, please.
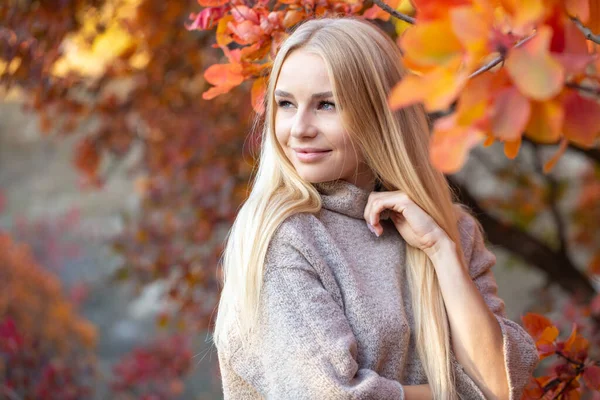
(303, 72)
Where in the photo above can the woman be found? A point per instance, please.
(349, 273)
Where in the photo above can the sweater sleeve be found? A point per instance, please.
(520, 353)
(306, 347)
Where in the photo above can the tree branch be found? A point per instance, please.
(587, 32)
(500, 58)
(393, 12)
(552, 200)
(587, 89)
(558, 267)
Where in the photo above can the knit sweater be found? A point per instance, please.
(335, 320)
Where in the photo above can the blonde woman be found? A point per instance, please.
(349, 273)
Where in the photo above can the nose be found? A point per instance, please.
(303, 125)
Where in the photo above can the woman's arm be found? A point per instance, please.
(495, 352)
(417, 392)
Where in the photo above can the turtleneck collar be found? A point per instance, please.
(344, 197)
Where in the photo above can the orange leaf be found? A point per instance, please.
(376, 12)
(545, 122)
(437, 90)
(511, 148)
(579, 9)
(523, 12)
(576, 345)
(594, 21)
(532, 68)
(472, 28)
(431, 10)
(450, 144)
(212, 3)
(224, 74)
(552, 161)
(510, 114)
(430, 44)
(535, 324)
(257, 94)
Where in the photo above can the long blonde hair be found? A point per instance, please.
(393, 144)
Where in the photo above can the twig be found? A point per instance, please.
(587, 32)
(500, 58)
(393, 12)
(588, 89)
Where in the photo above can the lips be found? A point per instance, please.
(311, 150)
(311, 156)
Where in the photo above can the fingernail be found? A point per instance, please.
(372, 229)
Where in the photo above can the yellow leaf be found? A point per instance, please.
(532, 68)
(222, 34)
(523, 12)
(545, 123)
(431, 44)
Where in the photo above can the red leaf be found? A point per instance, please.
(582, 119)
(591, 377)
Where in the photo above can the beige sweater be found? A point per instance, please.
(335, 315)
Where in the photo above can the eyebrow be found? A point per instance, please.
(314, 96)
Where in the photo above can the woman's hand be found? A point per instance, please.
(416, 226)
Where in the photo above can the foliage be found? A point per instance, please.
(518, 73)
(46, 349)
(154, 371)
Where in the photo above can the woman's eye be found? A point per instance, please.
(327, 105)
(283, 103)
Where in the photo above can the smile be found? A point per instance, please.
(311, 157)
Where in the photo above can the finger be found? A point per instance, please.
(392, 201)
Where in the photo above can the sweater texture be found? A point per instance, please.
(335, 316)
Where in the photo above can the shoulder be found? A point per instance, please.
(292, 242)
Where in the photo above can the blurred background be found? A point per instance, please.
(118, 183)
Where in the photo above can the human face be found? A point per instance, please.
(306, 117)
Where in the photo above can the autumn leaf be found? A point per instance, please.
(212, 3)
(430, 45)
(437, 89)
(511, 148)
(436, 9)
(535, 324)
(523, 12)
(579, 9)
(582, 119)
(510, 114)
(545, 122)
(533, 70)
(450, 144)
(224, 76)
(259, 88)
(591, 377)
